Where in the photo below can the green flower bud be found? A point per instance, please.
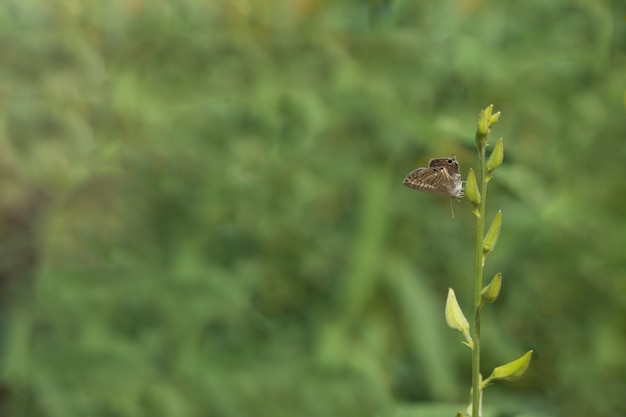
(471, 188)
(510, 371)
(484, 117)
(490, 293)
(491, 238)
(455, 317)
(493, 119)
(485, 120)
(496, 157)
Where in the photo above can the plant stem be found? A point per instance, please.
(480, 231)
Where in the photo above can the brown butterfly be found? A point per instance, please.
(442, 177)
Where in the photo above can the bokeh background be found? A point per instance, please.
(202, 210)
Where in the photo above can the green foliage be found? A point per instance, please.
(206, 200)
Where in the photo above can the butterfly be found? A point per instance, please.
(442, 177)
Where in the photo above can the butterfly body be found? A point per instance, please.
(442, 177)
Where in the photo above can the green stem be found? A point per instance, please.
(480, 231)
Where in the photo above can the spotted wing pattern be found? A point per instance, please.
(442, 177)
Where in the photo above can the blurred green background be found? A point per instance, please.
(202, 210)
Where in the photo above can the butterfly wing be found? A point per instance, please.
(450, 164)
(434, 180)
(442, 177)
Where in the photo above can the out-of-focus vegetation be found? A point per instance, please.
(202, 210)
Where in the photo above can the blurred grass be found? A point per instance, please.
(202, 210)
